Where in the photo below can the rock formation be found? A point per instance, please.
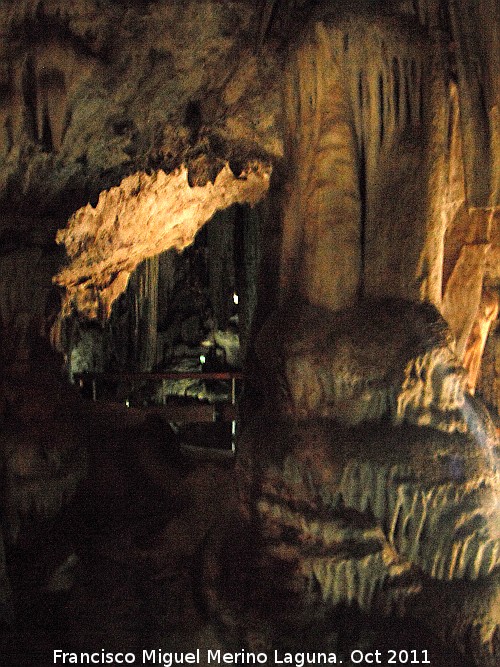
(372, 480)
(350, 148)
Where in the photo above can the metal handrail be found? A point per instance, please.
(230, 376)
(167, 375)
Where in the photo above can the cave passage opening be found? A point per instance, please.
(182, 318)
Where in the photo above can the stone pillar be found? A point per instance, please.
(366, 128)
(321, 253)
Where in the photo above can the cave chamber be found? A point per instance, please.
(303, 195)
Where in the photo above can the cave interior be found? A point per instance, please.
(249, 340)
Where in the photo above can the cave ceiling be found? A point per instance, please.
(93, 93)
(127, 125)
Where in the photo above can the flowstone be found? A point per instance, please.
(370, 487)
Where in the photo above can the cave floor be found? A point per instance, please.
(115, 570)
(120, 568)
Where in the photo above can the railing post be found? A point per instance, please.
(132, 379)
(233, 423)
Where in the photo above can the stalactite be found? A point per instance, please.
(396, 90)
(147, 303)
(475, 34)
(29, 94)
(53, 102)
(46, 138)
(220, 248)
(381, 108)
(428, 12)
(166, 293)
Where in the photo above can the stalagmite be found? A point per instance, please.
(375, 472)
(368, 474)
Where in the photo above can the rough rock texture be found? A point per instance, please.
(487, 314)
(43, 451)
(93, 91)
(362, 364)
(470, 263)
(380, 181)
(380, 160)
(364, 139)
(42, 456)
(374, 480)
(139, 219)
(385, 182)
(489, 379)
(474, 27)
(28, 302)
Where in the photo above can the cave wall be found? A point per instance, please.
(382, 120)
(95, 91)
(92, 91)
(174, 96)
(379, 134)
(369, 132)
(140, 120)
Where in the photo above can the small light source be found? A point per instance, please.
(202, 359)
(235, 298)
(127, 402)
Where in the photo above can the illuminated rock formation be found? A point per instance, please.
(487, 313)
(92, 92)
(374, 480)
(369, 133)
(142, 217)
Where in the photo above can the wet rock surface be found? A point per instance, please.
(392, 508)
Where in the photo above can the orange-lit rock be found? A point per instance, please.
(463, 292)
(487, 313)
(489, 379)
(142, 217)
(137, 120)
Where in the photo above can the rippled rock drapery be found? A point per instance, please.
(373, 480)
(91, 92)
